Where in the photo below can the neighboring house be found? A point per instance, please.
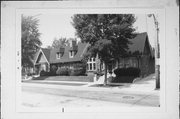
(141, 55)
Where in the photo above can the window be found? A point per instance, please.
(58, 55)
(94, 66)
(71, 54)
(90, 66)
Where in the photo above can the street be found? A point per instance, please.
(50, 95)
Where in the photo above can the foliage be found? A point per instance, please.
(53, 70)
(30, 41)
(126, 75)
(60, 42)
(80, 65)
(107, 34)
(131, 71)
(63, 71)
(78, 69)
(123, 79)
(44, 73)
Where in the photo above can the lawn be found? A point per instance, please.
(88, 78)
(55, 83)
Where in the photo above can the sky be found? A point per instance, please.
(53, 26)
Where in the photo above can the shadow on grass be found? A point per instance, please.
(62, 78)
(40, 78)
(105, 86)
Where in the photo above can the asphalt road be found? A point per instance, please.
(42, 94)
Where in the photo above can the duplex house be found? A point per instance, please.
(140, 52)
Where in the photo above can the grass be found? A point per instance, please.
(54, 83)
(66, 78)
(105, 86)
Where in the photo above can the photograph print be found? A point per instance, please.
(90, 60)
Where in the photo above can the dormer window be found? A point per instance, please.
(59, 55)
(73, 48)
(71, 54)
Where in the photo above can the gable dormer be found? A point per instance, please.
(60, 52)
(73, 48)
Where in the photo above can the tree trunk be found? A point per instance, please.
(105, 75)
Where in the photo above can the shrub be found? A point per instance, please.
(77, 71)
(44, 73)
(131, 71)
(53, 70)
(79, 65)
(134, 71)
(62, 71)
(123, 79)
(126, 75)
(52, 73)
(119, 71)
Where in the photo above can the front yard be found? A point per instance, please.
(88, 78)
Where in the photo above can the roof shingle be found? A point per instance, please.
(137, 45)
(65, 58)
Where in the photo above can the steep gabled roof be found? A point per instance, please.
(137, 46)
(65, 58)
(138, 43)
(46, 53)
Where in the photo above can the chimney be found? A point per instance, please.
(72, 43)
(61, 49)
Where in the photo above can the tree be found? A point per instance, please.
(59, 42)
(30, 41)
(107, 35)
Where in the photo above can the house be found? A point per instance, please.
(140, 55)
(140, 52)
(66, 56)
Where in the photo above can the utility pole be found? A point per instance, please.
(157, 52)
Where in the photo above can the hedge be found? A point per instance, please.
(63, 71)
(44, 73)
(131, 71)
(77, 71)
(123, 79)
(53, 70)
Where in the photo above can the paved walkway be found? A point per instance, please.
(145, 85)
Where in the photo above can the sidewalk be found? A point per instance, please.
(146, 85)
(140, 93)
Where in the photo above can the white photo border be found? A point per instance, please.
(15, 20)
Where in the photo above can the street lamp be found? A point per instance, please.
(157, 51)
